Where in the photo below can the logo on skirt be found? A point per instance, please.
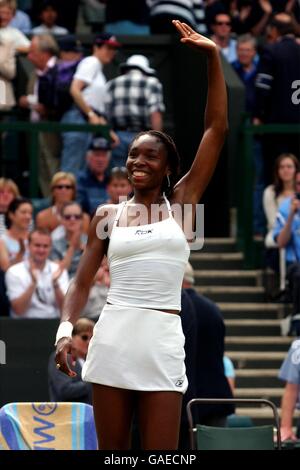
(179, 383)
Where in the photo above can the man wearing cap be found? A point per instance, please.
(134, 103)
(92, 181)
(88, 91)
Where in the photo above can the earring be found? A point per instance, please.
(168, 180)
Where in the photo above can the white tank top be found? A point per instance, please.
(147, 264)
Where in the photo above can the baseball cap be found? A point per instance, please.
(137, 61)
(99, 143)
(106, 38)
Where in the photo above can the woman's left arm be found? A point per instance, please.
(191, 187)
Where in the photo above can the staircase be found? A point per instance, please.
(253, 340)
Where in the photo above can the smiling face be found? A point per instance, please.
(147, 162)
(22, 217)
(63, 191)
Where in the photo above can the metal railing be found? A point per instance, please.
(246, 184)
(33, 130)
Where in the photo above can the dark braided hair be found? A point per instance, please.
(172, 158)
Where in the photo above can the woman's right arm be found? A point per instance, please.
(78, 291)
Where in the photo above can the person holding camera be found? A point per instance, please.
(287, 234)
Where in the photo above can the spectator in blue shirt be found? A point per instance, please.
(290, 372)
(246, 67)
(92, 181)
(287, 234)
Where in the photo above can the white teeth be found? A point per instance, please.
(139, 173)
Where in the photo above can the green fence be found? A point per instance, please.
(33, 131)
(246, 185)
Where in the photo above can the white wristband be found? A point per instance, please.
(64, 331)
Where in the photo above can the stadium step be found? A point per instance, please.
(228, 278)
(252, 327)
(219, 245)
(231, 294)
(257, 359)
(258, 343)
(274, 394)
(244, 310)
(250, 378)
(217, 261)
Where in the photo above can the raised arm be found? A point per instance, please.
(191, 187)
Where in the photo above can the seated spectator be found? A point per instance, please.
(246, 67)
(250, 17)
(229, 372)
(134, 103)
(7, 74)
(221, 27)
(92, 181)
(36, 287)
(17, 18)
(14, 242)
(48, 17)
(8, 34)
(63, 190)
(65, 388)
(67, 249)
(286, 234)
(290, 373)
(8, 191)
(118, 186)
(67, 12)
(286, 166)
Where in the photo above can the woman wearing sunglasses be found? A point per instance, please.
(62, 387)
(63, 189)
(136, 357)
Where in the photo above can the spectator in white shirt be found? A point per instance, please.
(8, 33)
(88, 92)
(17, 18)
(36, 287)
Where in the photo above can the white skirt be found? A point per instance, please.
(137, 349)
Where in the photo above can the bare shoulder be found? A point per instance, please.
(107, 211)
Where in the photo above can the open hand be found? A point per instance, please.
(64, 347)
(193, 39)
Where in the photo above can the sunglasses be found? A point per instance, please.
(222, 23)
(63, 186)
(72, 216)
(85, 337)
(116, 169)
